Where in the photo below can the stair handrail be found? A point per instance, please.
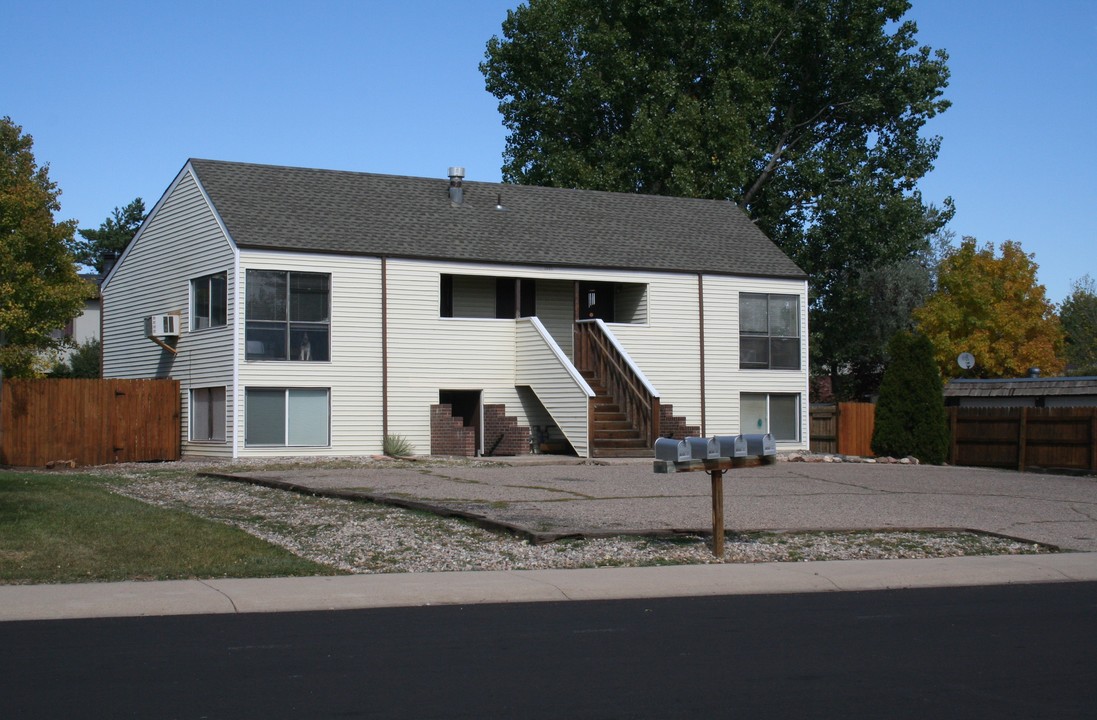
(597, 350)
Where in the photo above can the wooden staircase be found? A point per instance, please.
(612, 433)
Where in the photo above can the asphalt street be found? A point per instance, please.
(998, 652)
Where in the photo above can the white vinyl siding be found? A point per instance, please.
(556, 311)
(666, 348)
(542, 366)
(428, 353)
(352, 376)
(473, 297)
(182, 240)
(724, 380)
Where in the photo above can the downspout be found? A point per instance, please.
(384, 352)
(237, 333)
(701, 324)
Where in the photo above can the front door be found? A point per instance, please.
(596, 301)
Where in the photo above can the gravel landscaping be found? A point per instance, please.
(362, 537)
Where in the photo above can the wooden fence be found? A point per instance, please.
(843, 429)
(1024, 438)
(90, 422)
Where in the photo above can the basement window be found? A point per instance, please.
(287, 417)
(777, 414)
(207, 414)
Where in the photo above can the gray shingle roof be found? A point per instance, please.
(301, 209)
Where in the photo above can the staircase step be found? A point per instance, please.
(620, 423)
(620, 452)
(603, 436)
(605, 443)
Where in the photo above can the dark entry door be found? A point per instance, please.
(596, 301)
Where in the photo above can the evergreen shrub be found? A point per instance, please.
(910, 414)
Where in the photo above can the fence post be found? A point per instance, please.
(953, 442)
(1093, 440)
(1022, 438)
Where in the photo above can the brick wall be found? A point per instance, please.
(448, 434)
(673, 426)
(502, 434)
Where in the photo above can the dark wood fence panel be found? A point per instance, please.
(824, 429)
(1024, 438)
(91, 422)
(844, 429)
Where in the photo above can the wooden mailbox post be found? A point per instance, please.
(715, 456)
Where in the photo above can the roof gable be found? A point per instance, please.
(328, 211)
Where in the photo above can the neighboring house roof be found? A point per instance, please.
(300, 209)
(1022, 387)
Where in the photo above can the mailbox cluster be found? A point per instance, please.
(714, 448)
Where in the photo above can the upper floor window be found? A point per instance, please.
(769, 331)
(288, 316)
(209, 298)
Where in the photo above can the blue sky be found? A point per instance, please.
(119, 94)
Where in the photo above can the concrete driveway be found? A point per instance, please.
(550, 497)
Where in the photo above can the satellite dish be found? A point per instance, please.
(966, 360)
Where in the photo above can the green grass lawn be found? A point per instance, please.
(71, 528)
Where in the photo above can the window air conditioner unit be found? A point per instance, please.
(162, 325)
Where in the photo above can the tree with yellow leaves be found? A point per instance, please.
(993, 308)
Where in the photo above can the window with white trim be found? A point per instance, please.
(774, 413)
(207, 414)
(288, 316)
(209, 300)
(769, 331)
(287, 417)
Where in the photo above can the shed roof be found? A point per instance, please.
(1022, 387)
(308, 210)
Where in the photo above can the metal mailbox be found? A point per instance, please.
(759, 444)
(733, 446)
(673, 450)
(703, 448)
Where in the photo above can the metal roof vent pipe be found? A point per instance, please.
(456, 194)
(1034, 373)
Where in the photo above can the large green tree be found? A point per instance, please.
(807, 113)
(40, 289)
(1078, 314)
(99, 246)
(991, 306)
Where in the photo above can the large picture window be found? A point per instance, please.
(286, 416)
(769, 331)
(288, 316)
(207, 414)
(209, 298)
(776, 414)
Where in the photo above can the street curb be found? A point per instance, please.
(359, 592)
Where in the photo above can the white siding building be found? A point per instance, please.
(317, 312)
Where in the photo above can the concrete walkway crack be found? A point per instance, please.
(539, 581)
(223, 594)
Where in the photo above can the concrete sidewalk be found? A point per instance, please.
(190, 597)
